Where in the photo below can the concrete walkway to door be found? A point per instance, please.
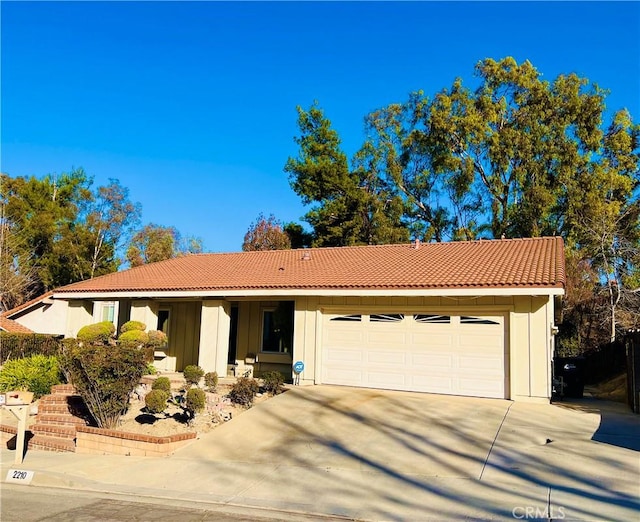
(381, 455)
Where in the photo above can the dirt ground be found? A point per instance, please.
(614, 389)
(173, 421)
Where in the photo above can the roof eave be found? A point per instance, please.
(279, 292)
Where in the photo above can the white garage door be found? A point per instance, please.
(450, 354)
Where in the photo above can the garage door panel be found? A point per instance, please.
(480, 340)
(489, 365)
(342, 355)
(444, 340)
(395, 357)
(431, 384)
(463, 356)
(387, 338)
(384, 379)
(480, 388)
(425, 360)
(345, 336)
(345, 377)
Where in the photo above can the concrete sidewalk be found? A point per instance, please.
(377, 455)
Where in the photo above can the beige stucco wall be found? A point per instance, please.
(146, 312)
(46, 318)
(79, 314)
(528, 340)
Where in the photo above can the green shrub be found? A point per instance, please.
(136, 338)
(211, 380)
(272, 382)
(21, 345)
(193, 374)
(243, 391)
(97, 332)
(156, 401)
(104, 377)
(36, 374)
(196, 400)
(156, 338)
(162, 383)
(150, 369)
(131, 326)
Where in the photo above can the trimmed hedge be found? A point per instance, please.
(97, 332)
(243, 391)
(137, 338)
(156, 400)
(20, 345)
(132, 325)
(162, 383)
(196, 400)
(156, 338)
(211, 380)
(192, 374)
(272, 382)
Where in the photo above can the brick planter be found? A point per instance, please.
(98, 441)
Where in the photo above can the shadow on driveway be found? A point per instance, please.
(619, 426)
(397, 452)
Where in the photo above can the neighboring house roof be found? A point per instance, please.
(8, 325)
(507, 263)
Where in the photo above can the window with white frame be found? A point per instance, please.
(106, 311)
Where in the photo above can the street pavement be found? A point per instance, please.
(20, 504)
(381, 455)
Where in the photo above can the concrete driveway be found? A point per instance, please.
(379, 455)
(392, 455)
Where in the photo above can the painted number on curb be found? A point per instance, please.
(19, 476)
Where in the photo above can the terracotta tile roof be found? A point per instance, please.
(509, 263)
(8, 325)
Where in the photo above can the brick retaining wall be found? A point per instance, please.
(99, 441)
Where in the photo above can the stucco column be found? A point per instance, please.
(146, 312)
(79, 314)
(215, 324)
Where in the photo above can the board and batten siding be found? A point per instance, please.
(249, 340)
(184, 331)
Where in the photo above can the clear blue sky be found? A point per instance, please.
(192, 105)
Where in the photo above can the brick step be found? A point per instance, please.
(11, 430)
(53, 407)
(60, 419)
(63, 409)
(47, 443)
(53, 430)
(61, 399)
(67, 389)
